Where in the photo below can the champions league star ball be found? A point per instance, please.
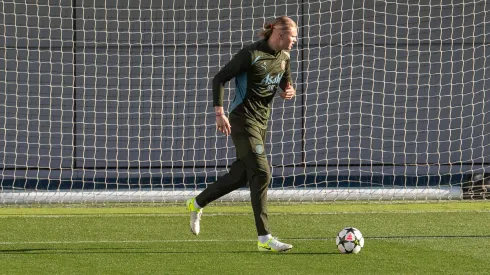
(349, 240)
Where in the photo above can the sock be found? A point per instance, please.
(264, 238)
(197, 205)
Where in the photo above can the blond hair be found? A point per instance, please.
(282, 22)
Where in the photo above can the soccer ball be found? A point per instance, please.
(349, 240)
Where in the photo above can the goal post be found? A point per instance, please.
(110, 101)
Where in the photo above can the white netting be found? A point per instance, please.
(111, 100)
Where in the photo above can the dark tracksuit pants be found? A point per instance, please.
(250, 166)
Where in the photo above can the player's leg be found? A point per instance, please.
(225, 184)
(234, 179)
(258, 174)
(259, 178)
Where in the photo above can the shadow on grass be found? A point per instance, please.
(23, 251)
(139, 250)
(396, 237)
(100, 250)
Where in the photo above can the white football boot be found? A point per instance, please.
(273, 245)
(195, 222)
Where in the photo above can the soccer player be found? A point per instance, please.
(261, 70)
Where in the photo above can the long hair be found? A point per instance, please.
(282, 22)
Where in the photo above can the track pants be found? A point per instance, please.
(250, 166)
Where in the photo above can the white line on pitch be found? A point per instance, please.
(230, 214)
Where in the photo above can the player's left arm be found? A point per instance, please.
(286, 90)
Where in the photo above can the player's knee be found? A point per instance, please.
(258, 169)
(263, 175)
(237, 170)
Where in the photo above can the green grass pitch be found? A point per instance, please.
(400, 238)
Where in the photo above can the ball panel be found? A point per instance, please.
(350, 237)
(356, 249)
(342, 233)
(349, 246)
(358, 234)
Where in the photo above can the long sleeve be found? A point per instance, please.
(286, 77)
(239, 64)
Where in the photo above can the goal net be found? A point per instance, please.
(111, 100)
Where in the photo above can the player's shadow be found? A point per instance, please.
(304, 253)
(428, 237)
(129, 250)
(112, 250)
(139, 250)
(23, 251)
(400, 237)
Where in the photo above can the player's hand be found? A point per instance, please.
(289, 93)
(222, 124)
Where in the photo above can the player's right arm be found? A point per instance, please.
(286, 88)
(239, 64)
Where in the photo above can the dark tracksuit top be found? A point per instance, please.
(258, 71)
